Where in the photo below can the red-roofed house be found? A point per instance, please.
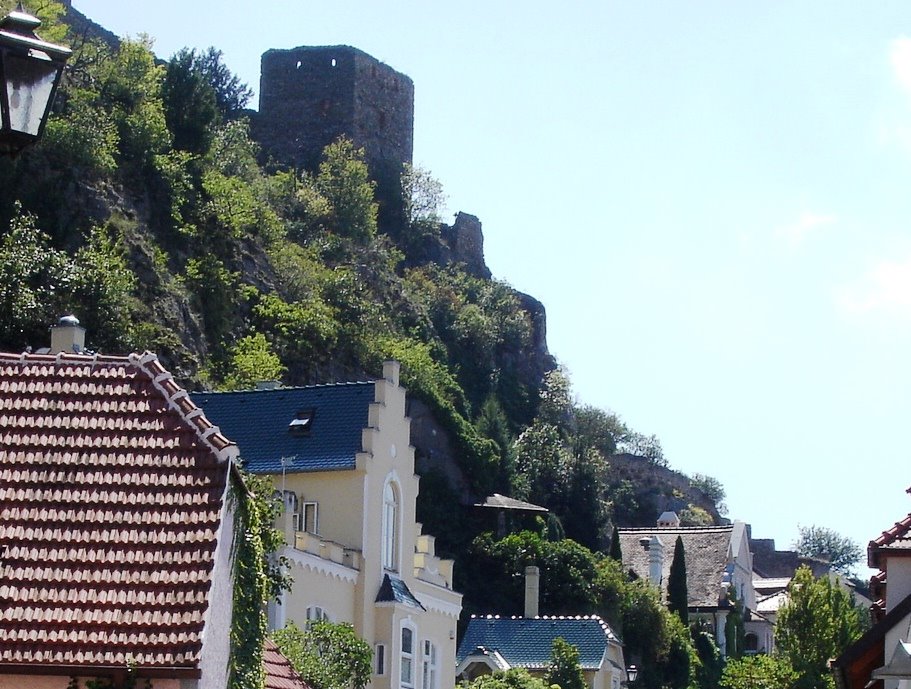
(115, 526)
(882, 656)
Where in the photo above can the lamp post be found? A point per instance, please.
(30, 70)
(632, 674)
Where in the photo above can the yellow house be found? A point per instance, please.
(341, 456)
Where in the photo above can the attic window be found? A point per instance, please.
(301, 423)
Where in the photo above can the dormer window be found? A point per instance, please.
(301, 423)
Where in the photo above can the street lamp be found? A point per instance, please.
(30, 70)
(632, 674)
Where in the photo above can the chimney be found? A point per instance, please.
(67, 335)
(655, 560)
(532, 578)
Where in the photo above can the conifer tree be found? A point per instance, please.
(614, 552)
(676, 584)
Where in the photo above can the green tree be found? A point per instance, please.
(657, 637)
(189, 102)
(424, 198)
(35, 283)
(493, 424)
(826, 544)
(564, 669)
(231, 94)
(711, 664)
(734, 630)
(252, 360)
(344, 180)
(749, 672)
(103, 289)
(712, 488)
(614, 552)
(327, 655)
(677, 599)
(130, 90)
(516, 678)
(818, 621)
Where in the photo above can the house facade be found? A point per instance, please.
(719, 573)
(881, 658)
(116, 530)
(340, 455)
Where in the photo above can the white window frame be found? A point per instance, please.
(309, 517)
(407, 658)
(392, 514)
(316, 613)
(429, 666)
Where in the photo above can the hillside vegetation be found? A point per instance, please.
(149, 212)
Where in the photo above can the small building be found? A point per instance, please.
(494, 643)
(719, 573)
(117, 526)
(340, 456)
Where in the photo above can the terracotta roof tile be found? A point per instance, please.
(279, 672)
(111, 486)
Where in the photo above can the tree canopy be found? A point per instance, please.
(818, 621)
(826, 544)
(327, 655)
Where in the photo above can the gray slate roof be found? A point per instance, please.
(257, 420)
(394, 590)
(527, 641)
(706, 551)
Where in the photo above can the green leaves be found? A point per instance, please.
(564, 669)
(817, 623)
(327, 655)
(36, 283)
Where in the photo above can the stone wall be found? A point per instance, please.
(311, 95)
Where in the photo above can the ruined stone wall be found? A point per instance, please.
(309, 96)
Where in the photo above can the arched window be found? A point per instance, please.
(751, 643)
(390, 527)
(406, 677)
(315, 613)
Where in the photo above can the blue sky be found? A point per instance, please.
(711, 199)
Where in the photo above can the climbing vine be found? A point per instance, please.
(257, 576)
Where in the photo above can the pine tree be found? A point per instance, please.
(614, 552)
(676, 584)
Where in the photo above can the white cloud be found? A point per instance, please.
(886, 288)
(808, 223)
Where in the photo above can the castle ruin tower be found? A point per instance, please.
(311, 95)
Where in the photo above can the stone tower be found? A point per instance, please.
(309, 96)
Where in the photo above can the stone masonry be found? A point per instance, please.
(311, 95)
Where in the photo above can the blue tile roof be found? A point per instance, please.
(258, 420)
(394, 590)
(527, 641)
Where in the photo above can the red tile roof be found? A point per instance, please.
(279, 672)
(897, 538)
(899, 530)
(111, 495)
